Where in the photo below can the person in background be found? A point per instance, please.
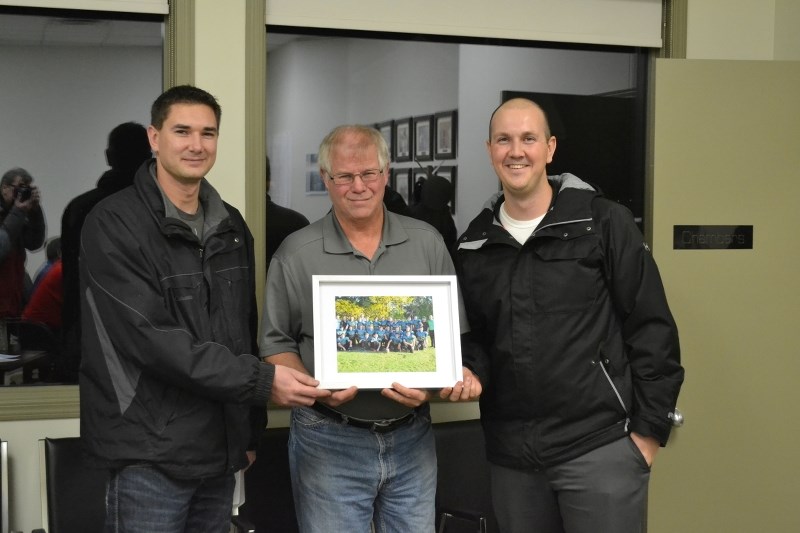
(22, 228)
(172, 397)
(434, 208)
(571, 337)
(341, 445)
(44, 305)
(394, 202)
(52, 253)
(127, 148)
(281, 221)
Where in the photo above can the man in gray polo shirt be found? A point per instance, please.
(365, 456)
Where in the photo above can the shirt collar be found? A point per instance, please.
(335, 241)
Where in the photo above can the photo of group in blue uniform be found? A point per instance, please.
(385, 334)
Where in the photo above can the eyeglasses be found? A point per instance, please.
(367, 176)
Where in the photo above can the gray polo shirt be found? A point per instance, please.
(408, 247)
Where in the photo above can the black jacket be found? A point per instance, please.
(434, 208)
(113, 180)
(571, 334)
(169, 324)
(281, 222)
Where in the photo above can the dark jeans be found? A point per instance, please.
(142, 499)
(602, 491)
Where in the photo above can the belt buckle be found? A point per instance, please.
(383, 426)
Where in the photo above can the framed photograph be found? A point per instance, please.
(423, 138)
(401, 182)
(314, 184)
(403, 138)
(446, 128)
(387, 130)
(449, 173)
(372, 331)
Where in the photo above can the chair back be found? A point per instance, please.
(73, 494)
(463, 493)
(269, 505)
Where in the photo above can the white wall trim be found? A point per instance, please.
(604, 22)
(160, 7)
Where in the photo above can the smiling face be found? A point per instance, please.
(520, 147)
(186, 144)
(357, 202)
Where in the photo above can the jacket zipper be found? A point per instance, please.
(537, 230)
(616, 393)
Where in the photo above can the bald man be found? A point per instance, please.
(571, 337)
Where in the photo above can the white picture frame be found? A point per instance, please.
(367, 369)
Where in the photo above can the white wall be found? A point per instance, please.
(486, 71)
(314, 85)
(299, 77)
(58, 105)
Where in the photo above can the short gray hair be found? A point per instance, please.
(373, 137)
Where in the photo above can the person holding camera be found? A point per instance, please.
(21, 227)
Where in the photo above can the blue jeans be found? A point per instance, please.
(345, 477)
(142, 499)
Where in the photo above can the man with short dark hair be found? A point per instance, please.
(172, 398)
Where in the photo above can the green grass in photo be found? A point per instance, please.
(419, 361)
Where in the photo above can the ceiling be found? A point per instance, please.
(32, 30)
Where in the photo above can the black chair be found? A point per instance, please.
(269, 504)
(463, 492)
(73, 494)
(37, 336)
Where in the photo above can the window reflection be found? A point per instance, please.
(68, 79)
(320, 78)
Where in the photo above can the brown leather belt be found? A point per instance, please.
(378, 426)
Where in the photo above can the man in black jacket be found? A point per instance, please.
(127, 148)
(571, 337)
(281, 221)
(172, 398)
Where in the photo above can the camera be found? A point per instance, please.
(23, 194)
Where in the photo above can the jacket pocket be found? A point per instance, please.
(231, 289)
(185, 297)
(568, 275)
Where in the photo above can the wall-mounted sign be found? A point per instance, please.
(712, 238)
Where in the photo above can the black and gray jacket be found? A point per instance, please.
(169, 325)
(571, 334)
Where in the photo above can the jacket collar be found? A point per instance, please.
(216, 215)
(568, 190)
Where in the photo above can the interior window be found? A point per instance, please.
(70, 77)
(413, 84)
